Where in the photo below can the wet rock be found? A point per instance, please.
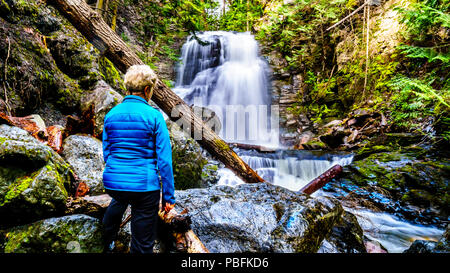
(258, 218)
(334, 138)
(74, 55)
(34, 180)
(346, 237)
(421, 246)
(85, 155)
(443, 244)
(187, 159)
(102, 99)
(402, 182)
(67, 234)
(374, 247)
(210, 175)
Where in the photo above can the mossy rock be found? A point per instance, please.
(314, 144)
(187, 159)
(32, 74)
(31, 13)
(74, 55)
(111, 75)
(68, 234)
(346, 237)
(34, 180)
(414, 181)
(85, 155)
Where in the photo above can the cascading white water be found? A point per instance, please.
(227, 75)
(289, 171)
(227, 70)
(391, 232)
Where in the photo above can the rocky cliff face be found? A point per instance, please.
(49, 67)
(312, 95)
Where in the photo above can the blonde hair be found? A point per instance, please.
(138, 77)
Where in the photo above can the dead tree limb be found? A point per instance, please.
(348, 16)
(323, 179)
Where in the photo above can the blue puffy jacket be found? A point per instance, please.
(136, 145)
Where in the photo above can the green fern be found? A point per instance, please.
(420, 89)
(428, 53)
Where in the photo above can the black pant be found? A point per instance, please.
(144, 216)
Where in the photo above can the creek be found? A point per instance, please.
(224, 70)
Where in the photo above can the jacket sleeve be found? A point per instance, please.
(106, 145)
(164, 159)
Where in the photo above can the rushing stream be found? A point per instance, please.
(229, 71)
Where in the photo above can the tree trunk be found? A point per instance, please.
(94, 28)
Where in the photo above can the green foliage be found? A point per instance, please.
(425, 17)
(162, 17)
(241, 15)
(425, 92)
(297, 30)
(428, 53)
(416, 99)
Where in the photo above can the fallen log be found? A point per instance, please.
(185, 238)
(32, 124)
(321, 180)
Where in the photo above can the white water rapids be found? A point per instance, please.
(229, 70)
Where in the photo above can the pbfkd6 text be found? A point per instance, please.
(246, 262)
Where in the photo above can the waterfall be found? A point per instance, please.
(225, 73)
(226, 70)
(292, 170)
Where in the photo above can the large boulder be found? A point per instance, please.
(34, 180)
(259, 218)
(68, 234)
(85, 155)
(345, 237)
(100, 101)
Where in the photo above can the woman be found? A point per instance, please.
(136, 146)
